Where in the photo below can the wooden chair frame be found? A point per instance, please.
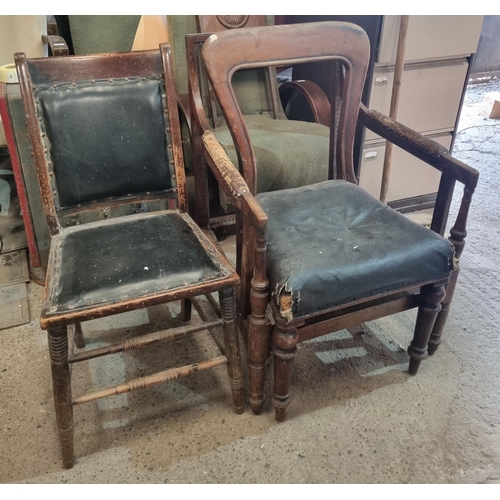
(62, 324)
(314, 42)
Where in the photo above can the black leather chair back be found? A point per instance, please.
(104, 138)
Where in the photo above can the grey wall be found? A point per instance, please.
(487, 57)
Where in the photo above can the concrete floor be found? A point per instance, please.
(356, 416)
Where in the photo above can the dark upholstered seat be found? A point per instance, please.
(333, 243)
(127, 257)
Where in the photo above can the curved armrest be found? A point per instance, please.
(314, 95)
(251, 254)
(57, 44)
(423, 148)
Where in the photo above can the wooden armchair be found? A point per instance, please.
(328, 256)
(106, 138)
(288, 153)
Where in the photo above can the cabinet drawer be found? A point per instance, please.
(431, 37)
(429, 98)
(410, 176)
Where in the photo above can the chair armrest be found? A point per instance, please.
(57, 45)
(314, 95)
(252, 222)
(423, 148)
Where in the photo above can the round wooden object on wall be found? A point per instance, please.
(231, 22)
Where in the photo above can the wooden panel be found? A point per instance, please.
(13, 268)
(14, 308)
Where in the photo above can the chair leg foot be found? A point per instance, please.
(228, 310)
(61, 383)
(430, 304)
(414, 366)
(437, 331)
(279, 414)
(285, 342)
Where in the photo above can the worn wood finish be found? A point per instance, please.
(285, 341)
(151, 380)
(175, 128)
(61, 384)
(258, 48)
(143, 341)
(437, 330)
(122, 210)
(228, 310)
(442, 205)
(348, 319)
(259, 326)
(430, 305)
(422, 147)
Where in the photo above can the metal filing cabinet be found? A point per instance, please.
(437, 60)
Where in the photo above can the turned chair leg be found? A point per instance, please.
(61, 383)
(259, 344)
(431, 297)
(437, 331)
(79, 338)
(228, 310)
(285, 347)
(186, 310)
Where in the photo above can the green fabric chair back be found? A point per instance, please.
(250, 86)
(98, 34)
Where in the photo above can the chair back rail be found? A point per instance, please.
(344, 43)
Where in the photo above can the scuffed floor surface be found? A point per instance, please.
(356, 416)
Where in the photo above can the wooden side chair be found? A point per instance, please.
(105, 133)
(329, 256)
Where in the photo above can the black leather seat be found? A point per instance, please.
(127, 257)
(333, 243)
